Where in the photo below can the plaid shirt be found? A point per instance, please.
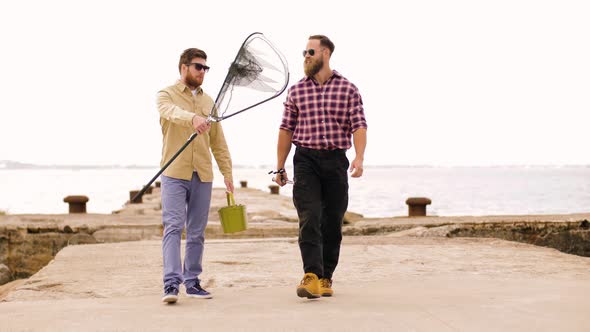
(323, 117)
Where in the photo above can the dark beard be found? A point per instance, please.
(313, 68)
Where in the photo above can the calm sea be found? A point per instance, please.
(381, 192)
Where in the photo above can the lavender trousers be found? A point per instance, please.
(184, 203)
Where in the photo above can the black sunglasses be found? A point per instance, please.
(199, 66)
(311, 52)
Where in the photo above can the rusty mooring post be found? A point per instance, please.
(77, 203)
(417, 206)
(274, 189)
(132, 194)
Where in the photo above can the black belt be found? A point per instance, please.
(317, 152)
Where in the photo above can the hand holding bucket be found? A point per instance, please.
(233, 217)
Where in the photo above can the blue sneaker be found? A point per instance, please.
(170, 294)
(198, 292)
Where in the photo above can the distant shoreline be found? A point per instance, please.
(15, 165)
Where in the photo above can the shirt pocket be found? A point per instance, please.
(204, 110)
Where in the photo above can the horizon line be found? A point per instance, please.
(9, 164)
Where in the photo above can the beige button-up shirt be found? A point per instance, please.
(177, 106)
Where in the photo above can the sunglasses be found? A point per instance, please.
(311, 52)
(199, 66)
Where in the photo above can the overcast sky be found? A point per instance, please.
(443, 82)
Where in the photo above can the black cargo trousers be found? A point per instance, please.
(320, 195)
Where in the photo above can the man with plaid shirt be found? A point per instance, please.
(322, 112)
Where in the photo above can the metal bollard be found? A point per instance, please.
(244, 184)
(417, 206)
(158, 184)
(77, 203)
(274, 189)
(132, 193)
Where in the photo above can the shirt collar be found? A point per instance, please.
(334, 74)
(182, 87)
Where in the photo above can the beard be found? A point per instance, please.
(313, 67)
(193, 82)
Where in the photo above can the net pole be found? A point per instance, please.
(145, 188)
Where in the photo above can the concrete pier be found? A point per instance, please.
(400, 273)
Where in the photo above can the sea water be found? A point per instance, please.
(380, 192)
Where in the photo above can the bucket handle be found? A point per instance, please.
(230, 198)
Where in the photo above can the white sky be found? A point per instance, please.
(443, 82)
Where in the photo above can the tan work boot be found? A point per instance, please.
(309, 287)
(326, 287)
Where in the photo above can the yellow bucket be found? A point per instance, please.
(233, 217)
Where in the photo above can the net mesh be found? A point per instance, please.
(258, 74)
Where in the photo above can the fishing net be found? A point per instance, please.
(258, 73)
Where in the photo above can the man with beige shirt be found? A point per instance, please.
(187, 182)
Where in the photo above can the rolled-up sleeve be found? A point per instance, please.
(290, 114)
(357, 113)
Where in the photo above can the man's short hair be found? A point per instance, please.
(189, 54)
(325, 42)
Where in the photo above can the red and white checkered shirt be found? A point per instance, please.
(323, 117)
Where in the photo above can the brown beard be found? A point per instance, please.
(314, 67)
(192, 81)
